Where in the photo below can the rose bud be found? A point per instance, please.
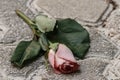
(62, 60)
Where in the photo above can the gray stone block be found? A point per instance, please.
(87, 11)
(12, 28)
(90, 69)
(112, 71)
(112, 28)
(7, 70)
(100, 47)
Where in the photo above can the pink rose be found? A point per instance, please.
(63, 60)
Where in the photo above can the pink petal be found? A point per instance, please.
(58, 61)
(51, 57)
(65, 53)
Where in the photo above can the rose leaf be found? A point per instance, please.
(25, 50)
(72, 34)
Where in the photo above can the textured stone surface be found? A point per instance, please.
(100, 47)
(117, 2)
(112, 71)
(12, 27)
(89, 68)
(7, 70)
(89, 11)
(111, 30)
(13, 30)
(112, 27)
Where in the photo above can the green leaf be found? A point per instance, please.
(25, 50)
(44, 23)
(72, 34)
(44, 42)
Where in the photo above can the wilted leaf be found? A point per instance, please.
(25, 50)
(72, 34)
(44, 23)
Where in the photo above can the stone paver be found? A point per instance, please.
(89, 68)
(112, 27)
(102, 61)
(89, 11)
(111, 30)
(9, 71)
(112, 72)
(117, 2)
(12, 27)
(12, 30)
(100, 47)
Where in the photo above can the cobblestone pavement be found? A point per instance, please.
(100, 17)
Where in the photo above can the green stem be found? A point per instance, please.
(46, 60)
(24, 17)
(50, 43)
(27, 20)
(46, 65)
(53, 46)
